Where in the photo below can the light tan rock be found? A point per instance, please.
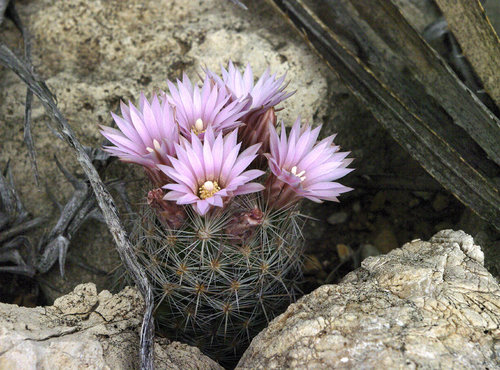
(425, 305)
(86, 330)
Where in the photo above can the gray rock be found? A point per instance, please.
(337, 218)
(86, 330)
(425, 305)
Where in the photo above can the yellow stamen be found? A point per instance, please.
(208, 189)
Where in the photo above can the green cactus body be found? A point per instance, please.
(219, 278)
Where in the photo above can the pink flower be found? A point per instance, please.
(262, 97)
(197, 109)
(303, 169)
(266, 93)
(207, 173)
(145, 136)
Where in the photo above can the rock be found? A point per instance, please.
(385, 240)
(312, 265)
(425, 305)
(344, 252)
(86, 330)
(425, 195)
(440, 202)
(367, 250)
(337, 218)
(378, 201)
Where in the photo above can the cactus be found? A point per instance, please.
(219, 279)
(223, 252)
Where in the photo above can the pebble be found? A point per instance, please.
(385, 241)
(413, 202)
(440, 202)
(368, 250)
(378, 201)
(337, 218)
(344, 251)
(425, 195)
(311, 264)
(356, 207)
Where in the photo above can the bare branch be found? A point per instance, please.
(478, 40)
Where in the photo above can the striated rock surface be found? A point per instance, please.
(86, 330)
(426, 305)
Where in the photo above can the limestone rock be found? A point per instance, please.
(86, 330)
(425, 305)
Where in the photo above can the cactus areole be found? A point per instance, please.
(220, 232)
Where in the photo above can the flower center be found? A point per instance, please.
(208, 189)
(198, 127)
(300, 175)
(157, 147)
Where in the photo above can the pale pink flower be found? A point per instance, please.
(267, 92)
(208, 173)
(304, 168)
(196, 109)
(262, 97)
(145, 136)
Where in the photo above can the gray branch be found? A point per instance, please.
(105, 201)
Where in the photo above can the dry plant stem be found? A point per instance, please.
(478, 40)
(105, 201)
(392, 97)
(3, 6)
(28, 138)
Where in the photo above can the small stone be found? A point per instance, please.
(79, 301)
(378, 201)
(356, 207)
(368, 250)
(425, 195)
(440, 202)
(344, 252)
(337, 218)
(413, 202)
(311, 265)
(385, 240)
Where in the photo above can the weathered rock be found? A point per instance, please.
(86, 330)
(425, 305)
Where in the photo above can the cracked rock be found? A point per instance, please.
(425, 305)
(86, 330)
